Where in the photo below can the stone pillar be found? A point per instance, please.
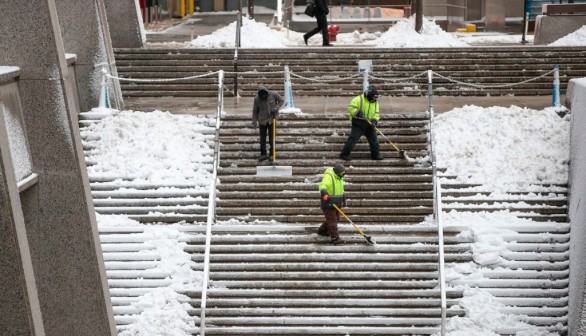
(91, 46)
(21, 312)
(125, 22)
(58, 210)
(494, 14)
(576, 99)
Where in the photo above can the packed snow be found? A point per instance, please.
(130, 147)
(403, 35)
(577, 38)
(502, 148)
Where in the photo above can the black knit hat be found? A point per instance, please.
(339, 169)
(371, 92)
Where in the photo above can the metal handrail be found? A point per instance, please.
(437, 206)
(211, 205)
(236, 47)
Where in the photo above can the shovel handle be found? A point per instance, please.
(349, 220)
(274, 140)
(384, 136)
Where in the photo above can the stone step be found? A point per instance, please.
(311, 193)
(323, 331)
(273, 204)
(404, 178)
(250, 138)
(380, 172)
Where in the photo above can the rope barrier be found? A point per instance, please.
(424, 73)
(492, 86)
(324, 80)
(137, 80)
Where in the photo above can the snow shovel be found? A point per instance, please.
(274, 170)
(401, 151)
(368, 238)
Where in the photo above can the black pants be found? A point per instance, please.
(263, 130)
(360, 128)
(331, 223)
(322, 24)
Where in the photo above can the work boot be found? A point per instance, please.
(262, 158)
(337, 241)
(378, 158)
(323, 232)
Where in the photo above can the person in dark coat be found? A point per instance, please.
(320, 13)
(331, 190)
(364, 115)
(265, 109)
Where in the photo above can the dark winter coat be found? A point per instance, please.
(261, 110)
(322, 6)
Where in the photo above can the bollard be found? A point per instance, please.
(104, 99)
(555, 97)
(288, 89)
(365, 83)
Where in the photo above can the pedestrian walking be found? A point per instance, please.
(331, 190)
(264, 111)
(364, 115)
(320, 13)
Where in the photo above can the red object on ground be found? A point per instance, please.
(333, 32)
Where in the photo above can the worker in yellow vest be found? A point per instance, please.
(331, 190)
(364, 115)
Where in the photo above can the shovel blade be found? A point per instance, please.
(274, 171)
(369, 240)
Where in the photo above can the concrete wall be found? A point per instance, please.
(19, 302)
(576, 99)
(549, 28)
(90, 45)
(58, 211)
(125, 22)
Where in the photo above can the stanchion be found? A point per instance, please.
(289, 106)
(104, 102)
(365, 83)
(555, 96)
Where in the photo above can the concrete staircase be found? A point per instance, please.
(272, 275)
(334, 71)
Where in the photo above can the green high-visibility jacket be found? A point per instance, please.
(332, 183)
(370, 110)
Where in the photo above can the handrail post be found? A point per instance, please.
(211, 206)
(236, 47)
(437, 207)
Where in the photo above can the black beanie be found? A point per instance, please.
(371, 92)
(339, 169)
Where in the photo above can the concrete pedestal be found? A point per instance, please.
(494, 14)
(58, 212)
(125, 22)
(91, 46)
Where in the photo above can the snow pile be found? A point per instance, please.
(155, 147)
(403, 35)
(164, 312)
(577, 38)
(503, 148)
(485, 316)
(490, 234)
(253, 34)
